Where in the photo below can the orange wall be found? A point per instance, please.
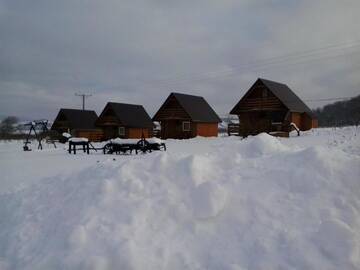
(136, 133)
(304, 121)
(296, 119)
(207, 129)
(308, 122)
(92, 135)
(315, 123)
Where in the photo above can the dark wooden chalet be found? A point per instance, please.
(271, 107)
(79, 123)
(185, 116)
(126, 121)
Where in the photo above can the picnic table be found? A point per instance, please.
(82, 142)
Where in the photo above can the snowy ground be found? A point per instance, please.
(220, 203)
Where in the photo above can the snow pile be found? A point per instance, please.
(261, 145)
(155, 140)
(250, 204)
(121, 141)
(66, 135)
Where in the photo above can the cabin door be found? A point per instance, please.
(259, 122)
(110, 132)
(171, 129)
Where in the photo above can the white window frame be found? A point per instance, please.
(121, 131)
(186, 123)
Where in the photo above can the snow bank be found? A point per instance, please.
(262, 144)
(249, 204)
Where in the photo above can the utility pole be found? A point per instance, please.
(83, 96)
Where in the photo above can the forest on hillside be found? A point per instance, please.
(341, 113)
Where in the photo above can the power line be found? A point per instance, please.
(266, 66)
(83, 96)
(304, 56)
(328, 99)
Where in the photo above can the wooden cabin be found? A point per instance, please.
(271, 107)
(79, 123)
(126, 121)
(186, 116)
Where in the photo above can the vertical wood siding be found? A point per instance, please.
(207, 129)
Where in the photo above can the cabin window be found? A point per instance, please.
(186, 126)
(121, 131)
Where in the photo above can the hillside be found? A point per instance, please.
(341, 113)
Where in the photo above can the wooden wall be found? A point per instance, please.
(137, 133)
(260, 99)
(307, 122)
(207, 129)
(252, 123)
(110, 125)
(111, 132)
(171, 109)
(173, 129)
(297, 119)
(315, 123)
(92, 135)
(303, 121)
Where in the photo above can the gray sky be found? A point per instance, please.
(139, 51)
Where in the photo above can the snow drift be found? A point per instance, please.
(250, 204)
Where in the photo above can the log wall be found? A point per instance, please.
(92, 135)
(171, 110)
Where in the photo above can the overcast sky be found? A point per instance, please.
(139, 51)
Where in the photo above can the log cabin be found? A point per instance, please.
(127, 121)
(186, 116)
(79, 123)
(272, 107)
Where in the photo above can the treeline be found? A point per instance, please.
(8, 127)
(341, 113)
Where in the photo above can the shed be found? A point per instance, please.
(270, 106)
(128, 121)
(79, 123)
(185, 116)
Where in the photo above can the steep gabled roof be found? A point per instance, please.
(196, 107)
(130, 115)
(284, 94)
(78, 119)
